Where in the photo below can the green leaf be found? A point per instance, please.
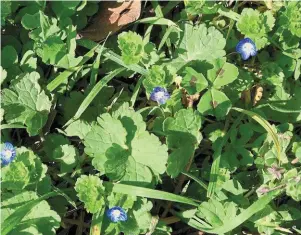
(25, 102)
(215, 169)
(108, 131)
(215, 103)
(231, 222)
(131, 46)
(256, 26)
(157, 76)
(199, 43)
(78, 128)
(113, 56)
(90, 191)
(26, 170)
(222, 73)
(58, 149)
(93, 93)
(124, 139)
(185, 121)
(9, 57)
(182, 146)
(193, 81)
(29, 213)
(236, 154)
(157, 21)
(31, 21)
(267, 126)
(291, 18)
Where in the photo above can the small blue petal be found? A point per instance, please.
(8, 153)
(246, 47)
(116, 214)
(160, 95)
(245, 55)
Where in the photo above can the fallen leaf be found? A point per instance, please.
(111, 17)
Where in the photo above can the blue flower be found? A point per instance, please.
(116, 214)
(246, 47)
(8, 153)
(160, 95)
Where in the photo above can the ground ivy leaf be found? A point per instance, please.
(148, 150)
(291, 18)
(127, 151)
(236, 154)
(90, 191)
(131, 46)
(215, 103)
(256, 25)
(193, 81)
(57, 148)
(186, 121)
(25, 102)
(182, 146)
(199, 43)
(78, 128)
(132, 121)
(40, 219)
(157, 76)
(26, 170)
(108, 131)
(115, 166)
(222, 73)
(183, 136)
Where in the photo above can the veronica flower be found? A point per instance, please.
(8, 153)
(160, 95)
(116, 214)
(246, 47)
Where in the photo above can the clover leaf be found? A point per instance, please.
(193, 81)
(214, 102)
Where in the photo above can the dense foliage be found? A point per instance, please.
(189, 115)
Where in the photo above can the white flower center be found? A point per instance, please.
(8, 153)
(248, 47)
(160, 94)
(116, 213)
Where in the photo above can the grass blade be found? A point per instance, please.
(196, 179)
(157, 21)
(62, 77)
(16, 217)
(149, 193)
(112, 56)
(11, 126)
(266, 125)
(93, 93)
(136, 91)
(96, 222)
(246, 214)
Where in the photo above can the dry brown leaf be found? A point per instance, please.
(257, 94)
(111, 17)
